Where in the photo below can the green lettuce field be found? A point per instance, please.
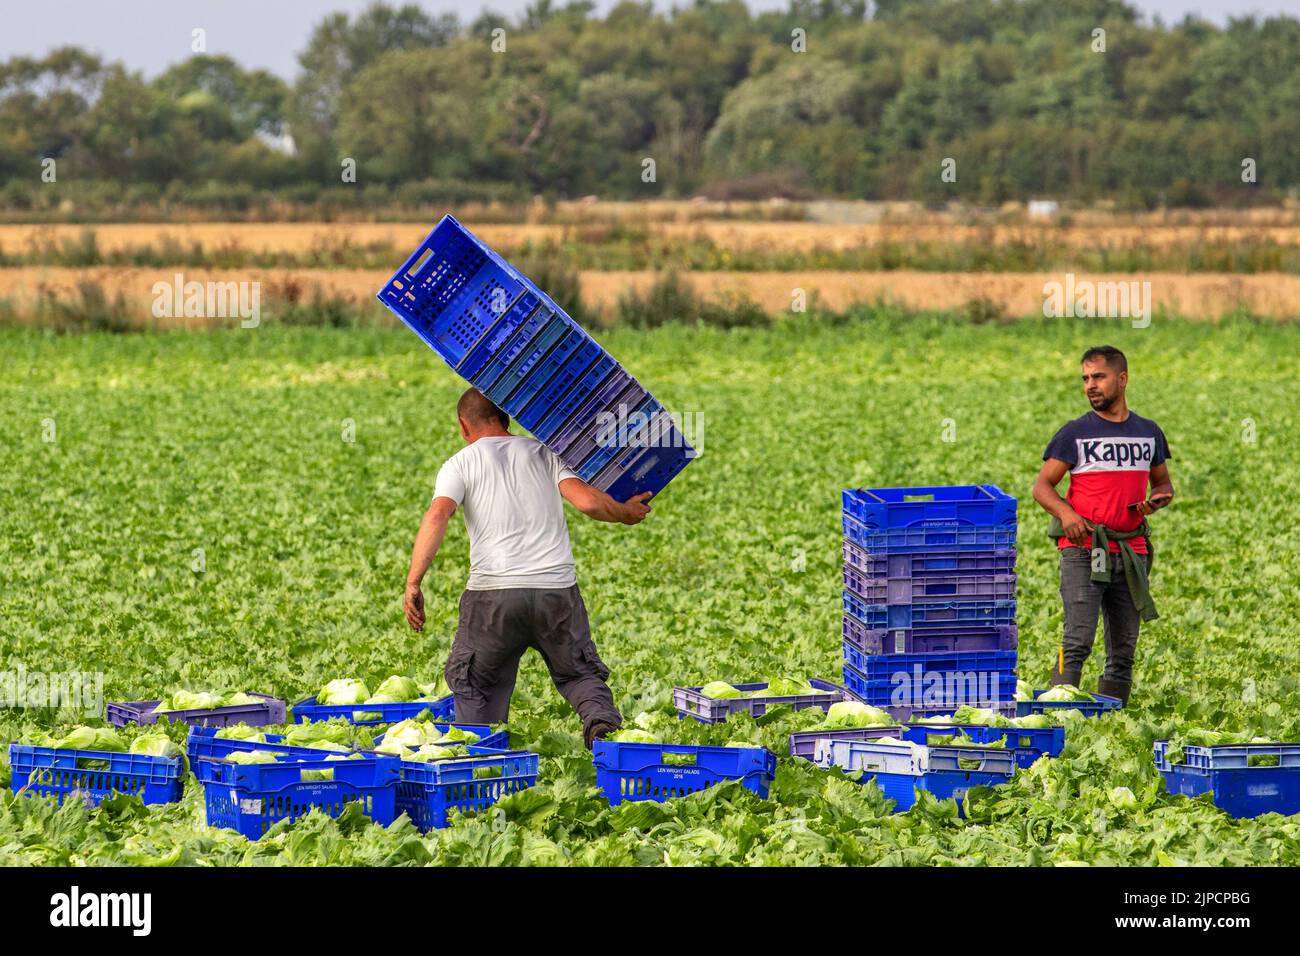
(128, 461)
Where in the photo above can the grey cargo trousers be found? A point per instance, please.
(496, 627)
(1083, 599)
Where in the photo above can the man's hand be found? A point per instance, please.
(1153, 504)
(635, 508)
(1076, 529)
(414, 606)
(595, 503)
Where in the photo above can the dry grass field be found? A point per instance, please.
(733, 235)
(1222, 261)
(1197, 296)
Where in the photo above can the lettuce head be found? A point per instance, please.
(345, 690)
(719, 690)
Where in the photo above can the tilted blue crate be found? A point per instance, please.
(498, 346)
(1099, 704)
(660, 772)
(562, 430)
(371, 715)
(93, 774)
(504, 335)
(1246, 780)
(947, 772)
(251, 798)
(544, 417)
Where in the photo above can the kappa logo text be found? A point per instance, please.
(74, 908)
(1115, 454)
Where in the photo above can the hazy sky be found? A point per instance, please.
(149, 35)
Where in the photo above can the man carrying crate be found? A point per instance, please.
(522, 590)
(1100, 526)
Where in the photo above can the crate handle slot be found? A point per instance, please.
(929, 497)
(419, 262)
(678, 758)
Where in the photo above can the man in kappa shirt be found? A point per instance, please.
(1100, 525)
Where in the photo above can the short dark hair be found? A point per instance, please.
(477, 409)
(1109, 354)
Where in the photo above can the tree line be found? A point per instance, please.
(978, 100)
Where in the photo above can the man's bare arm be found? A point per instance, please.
(433, 528)
(595, 503)
(1161, 486)
(1049, 476)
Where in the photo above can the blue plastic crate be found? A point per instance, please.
(545, 421)
(506, 354)
(268, 710)
(427, 791)
(452, 290)
(651, 472)
(875, 668)
(477, 312)
(1240, 789)
(934, 562)
(1028, 743)
(307, 709)
(930, 590)
(204, 742)
(599, 446)
(1099, 705)
(585, 420)
(556, 371)
(533, 405)
(487, 737)
(938, 614)
(93, 774)
(803, 743)
(525, 316)
(947, 772)
(250, 798)
(929, 640)
(642, 772)
(884, 508)
(659, 441)
(557, 340)
(707, 710)
(959, 537)
(940, 694)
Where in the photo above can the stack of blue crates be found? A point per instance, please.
(509, 339)
(930, 597)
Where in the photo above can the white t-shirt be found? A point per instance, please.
(508, 487)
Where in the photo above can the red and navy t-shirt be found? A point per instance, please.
(1110, 464)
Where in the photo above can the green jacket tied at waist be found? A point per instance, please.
(1135, 571)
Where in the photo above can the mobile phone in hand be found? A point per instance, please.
(1154, 502)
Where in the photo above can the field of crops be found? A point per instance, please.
(124, 455)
